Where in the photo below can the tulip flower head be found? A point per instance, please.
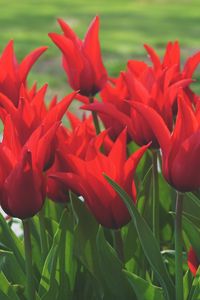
(82, 60)
(12, 74)
(86, 179)
(180, 151)
(22, 176)
(76, 142)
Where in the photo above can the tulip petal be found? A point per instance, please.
(118, 152)
(154, 57)
(190, 65)
(58, 111)
(29, 61)
(172, 55)
(92, 48)
(73, 61)
(156, 123)
(186, 122)
(193, 262)
(68, 32)
(110, 110)
(24, 189)
(185, 165)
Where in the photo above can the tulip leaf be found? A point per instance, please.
(36, 243)
(67, 261)
(111, 268)
(6, 289)
(187, 283)
(143, 289)
(193, 233)
(48, 288)
(8, 262)
(85, 237)
(148, 242)
(194, 198)
(192, 206)
(10, 240)
(195, 289)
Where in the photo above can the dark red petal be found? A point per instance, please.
(24, 189)
(193, 262)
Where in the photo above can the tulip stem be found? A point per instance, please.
(118, 244)
(95, 118)
(30, 287)
(155, 202)
(62, 257)
(178, 247)
(43, 236)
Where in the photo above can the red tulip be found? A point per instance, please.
(172, 58)
(86, 179)
(193, 261)
(180, 151)
(142, 84)
(12, 74)
(32, 112)
(82, 59)
(22, 178)
(24, 189)
(77, 142)
(114, 93)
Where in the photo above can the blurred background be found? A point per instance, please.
(125, 26)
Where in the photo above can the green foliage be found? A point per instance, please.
(148, 242)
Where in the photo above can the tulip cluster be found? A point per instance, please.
(150, 107)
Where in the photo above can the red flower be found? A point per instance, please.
(82, 59)
(114, 93)
(12, 74)
(193, 261)
(180, 151)
(76, 142)
(22, 178)
(32, 111)
(86, 179)
(172, 59)
(150, 89)
(24, 189)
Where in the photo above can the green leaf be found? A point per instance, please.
(85, 237)
(148, 242)
(111, 268)
(187, 283)
(10, 240)
(48, 288)
(192, 206)
(84, 244)
(143, 289)
(6, 289)
(193, 233)
(35, 243)
(195, 289)
(8, 263)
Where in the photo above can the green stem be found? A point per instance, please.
(155, 196)
(118, 244)
(43, 236)
(95, 119)
(28, 260)
(178, 247)
(62, 257)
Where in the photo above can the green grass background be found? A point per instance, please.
(125, 26)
